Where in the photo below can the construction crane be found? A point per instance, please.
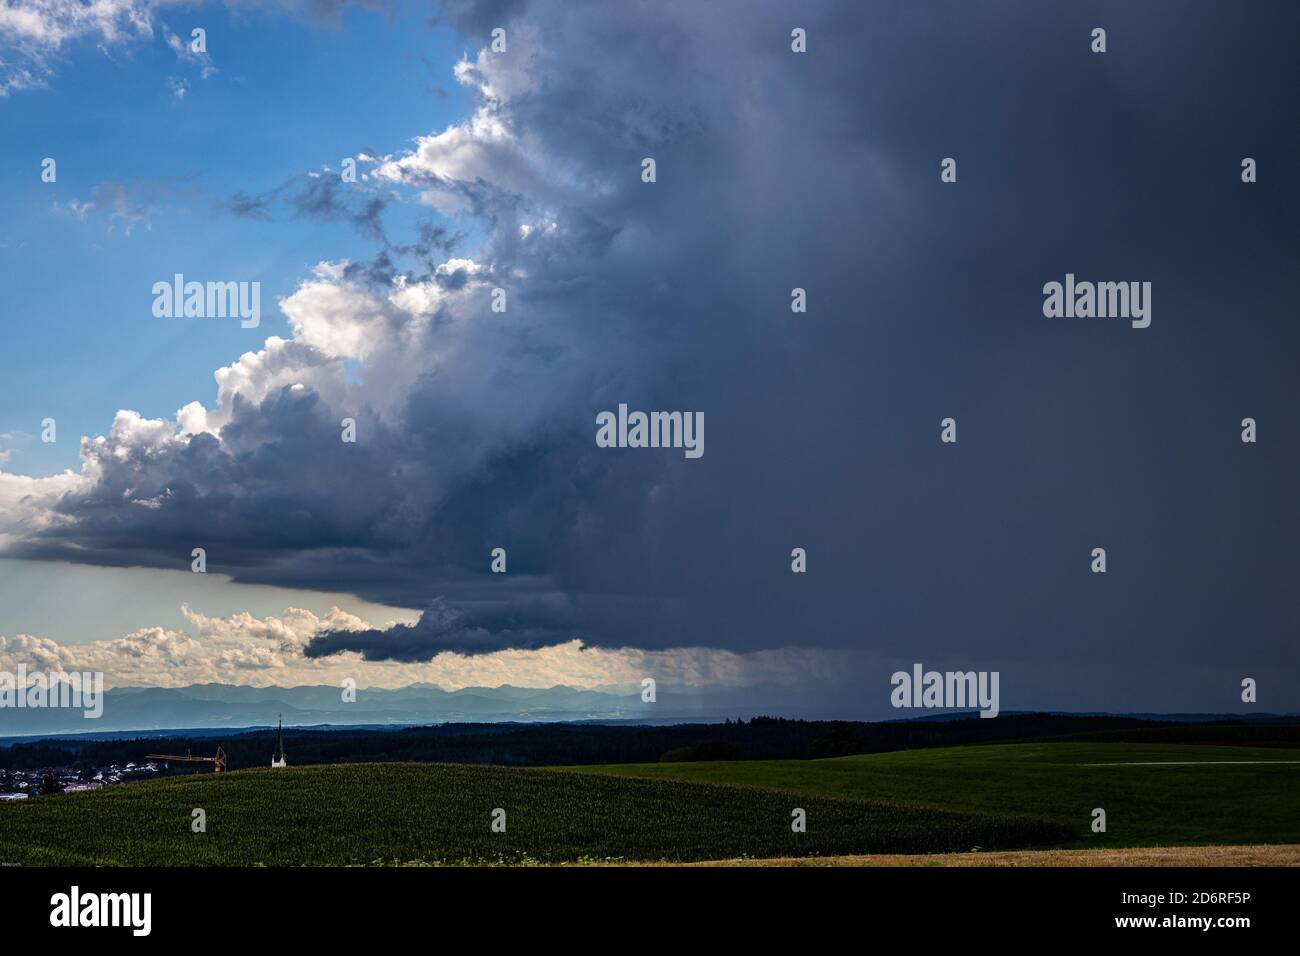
(218, 762)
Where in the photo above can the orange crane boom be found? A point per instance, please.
(218, 762)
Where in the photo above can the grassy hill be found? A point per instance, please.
(924, 801)
(1153, 794)
(440, 813)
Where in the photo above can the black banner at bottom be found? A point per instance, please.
(342, 905)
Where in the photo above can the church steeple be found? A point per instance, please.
(277, 759)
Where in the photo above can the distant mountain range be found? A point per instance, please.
(227, 705)
(224, 706)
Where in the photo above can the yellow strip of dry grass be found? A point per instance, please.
(1265, 855)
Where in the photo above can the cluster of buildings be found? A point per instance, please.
(20, 784)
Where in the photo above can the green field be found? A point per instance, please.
(441, 813)
(921, 801)
(1168, 804)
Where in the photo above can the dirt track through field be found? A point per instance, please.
(1192, 763)
(1266, 855)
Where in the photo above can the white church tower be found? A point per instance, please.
(277, 758)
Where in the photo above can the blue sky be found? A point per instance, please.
(81, 289)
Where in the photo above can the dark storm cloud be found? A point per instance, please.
(822, 171)
(539, 622)
(277, 481)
